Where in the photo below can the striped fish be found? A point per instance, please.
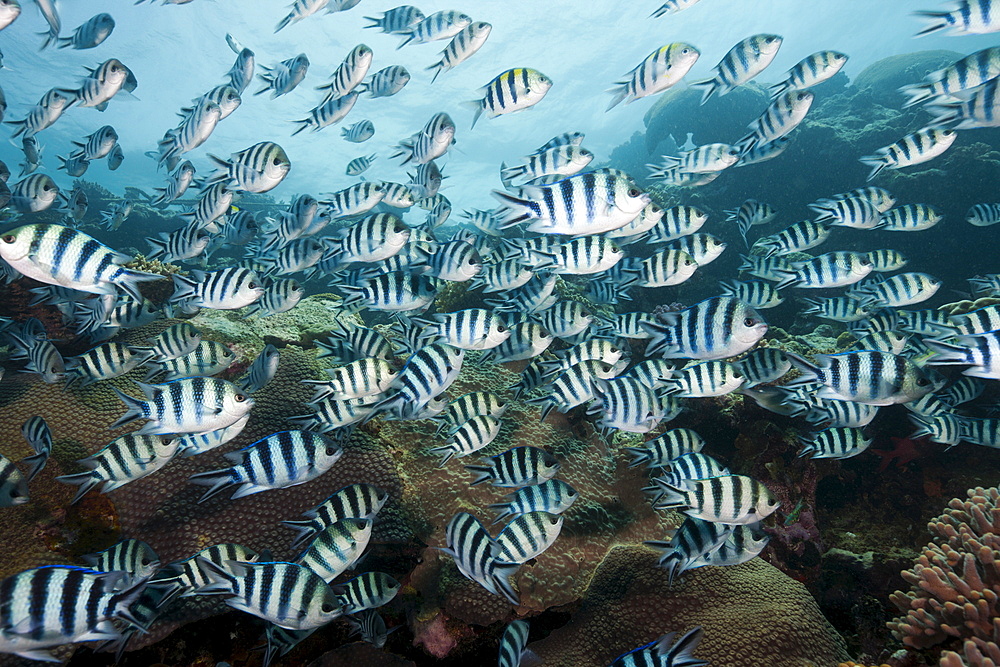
(134, 557)
(969, 17)
(755, 293)
(455, 261)
(330, 414)
(357, 379)
(694, 539)
(660, 70)
(285, 76)
(298, 255)
(121, 461)
(48, 110)
(912, 149)
(715, 328)
(359, 165)
(534, 296)
(397, 21)
(925, 322)
(511, 91)
(706, 379)
(703, 159)
(743, 62)
(177, 184)
(337, 547)
(209, 358)
(581, 256)
(90, 34)
(471, 329)
(885, 260)
(187, 577)
(261, 371)
(461, 47)
(439, 25)
(372, 239)
(964, 74)
(386, 82)
(428, 373)
(371, 628)
(854, 212)
(585, 204)
(356, 501)
(691, 465)
(677, 221)
(366, 591)
(175, 341)
(226, 96)
(965, 389)
(983, 215)
(58, 255)
(353, 343)
(565, 319)
(985, 432)
(767, 268)
(626, 404)
(976, 321)
(785, 113)
(763, 365)
(36, 433)
(43, 358)
(355, 200)
(762, 152)
(552, 496)
(513, 645)
(903, 289)
(75, 165)
(659, 451)
(432, 142)
(105, 81)
(13, 485)
(653, 373)
(470, 437)
(225, 289)
(797, 238)
(810, 71)
(574, 386)
(977, 108)
(750, 213)
(868, 376)
(476, 555)
(672, 7)
(106, 361)
(649, 218)
(330, 111)
(98, 144)
(281, 460)
(189, 405)
(980, 352)
(842, 414)
(660, 653)
(62, 604)
(279, 296)
(528, 536)
(286, 594)
(833, 269)
(350, 73)
(192, 444)
(259, 168)
(600, 349)
(944, 428)
(240, 75)
(526, 341)
(743, 544)
(518, 466)
(730, 499)
(194, 130)
(556, 161)
(301, 9)
(502, 276)
(358, 133)
(214, 202)
(834, 443)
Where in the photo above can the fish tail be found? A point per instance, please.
(482, 473)
(640, 455)
(218, 480)
(875, 161)
(438, 67)
(514, 210)
(136, 409)
(501, 575)
(670, 497)
(128, 280)
(35, 463)
(283, 23)
(710, 87)
(682, 653)
(662, 338)
(304, 529)
(935, 21)
(810, 371)
(947, 354)
(86, 480)
(620, 92)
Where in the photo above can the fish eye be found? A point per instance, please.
(749, 322)
(330, 451)
(616, 250)
(8, 238)
(240, 398)
(633, 192)
(501, 328)
(276, 161)
(923, 382)
(252, 285)
(328, 608)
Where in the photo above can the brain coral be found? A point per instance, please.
(955, 583)
(752, 614)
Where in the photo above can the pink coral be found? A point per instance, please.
(955, 583)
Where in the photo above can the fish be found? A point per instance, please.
(105, 81)
(741, 63)
(116, 157)
(134, 557)
(427, 373)
(38, 436)
(358, 133)
(912, 149)
(225, 289)
(518, 466)
(9, 11)
(366, 591)
(834, 443)
(903, 289)
(716, 328)
(195, 128)
(392, 292)
(691, 465)
(456, 261)
(284, 77)
(553, 496)
(729, 499)
(90, 34)
(968, 17)
(187, 405)
(511, 91)
(476, 555)
(51, 15)
(398, 20)
(430, 143)
(462, 46)
(706, 379)
(106, 361)
(981, 352)
(301, 9)
(75, 166)
(965, 110)
(983, 215)
(38, 598)
(528, 536)
(786, 112)
(370, 626)
(762, 366)
(259, 168)
(240, 75)
(13, 484)
(118, 214)
(48, 110)
(209, 358)
(177, 184)
(355, 200)
(867, 376)
(707, 159)
(386, 82)
(964, 74)
(356, 501)
(337, 547)
(287, 594)
(672, 7)
(812, 70)
(359, 165)
(350, 73)
(660, 70)
(833, 269)
(357, 379)
(121, 461)
(281, 460)
(439, 25)
(471, 436)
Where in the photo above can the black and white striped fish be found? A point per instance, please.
(386, 82)
(659, 71)
(702, 160)
(392, 292)
(357, 379)
(105, 81)
(983, 215)
(34, 194)
(366, 591)
(348, 344)
(299, 10)
(705, 379)
(192, 444)
(691, 465)
(225, 289)
(743, 62)
(476, 555)
(902, 289)
(868, 376)
(89, 34)
(428, 373)
(281, 460)
(121, 461)
(359, 165)
(175, 341)
(355, 200)
(350, 73)
(980, 352)
(358, 133)
(48, 110)
(985, 432)
(527, 536)
(755, 293)
(398, 20)
(38, 436)
(356, 501)
(279, 296)
(337, 547)
(518, 466)
(833, 269)
(797, 238)
(730, 499)
(912, 149)
(215, 202)
(967, 17)
(763, 365)
(106, 361)
(469, 437)
(855, 212)
(626, 404)
(786, 112)
(13, 485)
(834, 443)
(188, 405)
(177, 184)
(461, 47)
(43, 358)
(661, 653)
(259, 168)
(431, 142)
(527, 340)
(810, 71)
(944, 428)
(134, 557)
(439, 25)
(285, 76)
(455, 261)
(560, 160)
(289, 595)
(716, 328)
(98, 144)
(553, 496)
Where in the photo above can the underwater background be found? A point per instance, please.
(887, 557)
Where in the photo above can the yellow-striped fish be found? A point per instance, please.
(513, 90)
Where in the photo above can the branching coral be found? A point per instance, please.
(955, 583)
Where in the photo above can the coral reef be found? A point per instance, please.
(955, 583)
(630, 602)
